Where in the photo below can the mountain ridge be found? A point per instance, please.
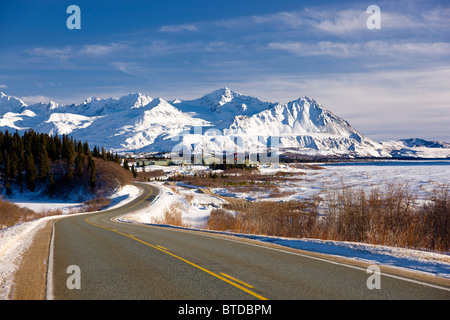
(217, 121)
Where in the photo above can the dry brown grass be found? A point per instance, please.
(238, 180)
(286, 219)
(222, 220)
(189, 198)
(390, 216)
(94, 205)
(11, 214)
(173, 215)
(149, 175)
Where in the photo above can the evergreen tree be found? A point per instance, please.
(92, 176)
(68, 149)
(86, 150)
(44, 164)
(79, 165)
(133, 171)
(96, 153)
(125, 164)
(7, 171)
(30, 172)
(51, 161)
(8, 189)
(80, 149)
(69, 170)
(51, 184)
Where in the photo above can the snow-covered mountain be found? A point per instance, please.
(222, 120)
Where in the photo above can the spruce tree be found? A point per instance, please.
(133, 171)
(92, 176)
(30, 172)
(79, 165)
(125, 164)
(44, 164)
(69, 170)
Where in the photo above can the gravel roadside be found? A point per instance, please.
(31, 276)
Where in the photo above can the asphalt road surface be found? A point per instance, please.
(97, 258)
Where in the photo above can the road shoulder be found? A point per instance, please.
(31, 276)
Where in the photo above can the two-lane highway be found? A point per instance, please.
(132, 261)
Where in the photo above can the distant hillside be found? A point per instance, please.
(57, 166)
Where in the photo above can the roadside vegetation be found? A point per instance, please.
(239, 179)
(385, 215)
(383, 218)
(11, 214)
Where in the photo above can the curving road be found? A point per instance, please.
(117, 260)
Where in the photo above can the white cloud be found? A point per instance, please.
(124, 67)
(391, 49)
(48, 52)
(352, 21)
(68, 52)
(381, 104)
(101, 49)
(3, 86)
(178, 28)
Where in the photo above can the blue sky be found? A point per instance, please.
(389, 83)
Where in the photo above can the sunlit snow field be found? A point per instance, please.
(420, 177)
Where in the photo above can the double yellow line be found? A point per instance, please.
(224, 277)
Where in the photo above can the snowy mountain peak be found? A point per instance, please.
(96, 107)
(136, 122)
(44, 107)
(10, 103)
(223, 105)
(135, 100)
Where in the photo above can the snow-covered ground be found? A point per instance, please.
(14, 241)
(197, 205)
(420, 177)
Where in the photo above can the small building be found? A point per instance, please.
(144, 162)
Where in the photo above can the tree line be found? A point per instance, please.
(51, 163)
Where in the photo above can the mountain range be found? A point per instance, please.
(218, 121)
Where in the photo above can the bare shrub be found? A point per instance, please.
(110, 175)
(389, 216)
(434, 221)
(173, 214)
(222, 220)
(11, 214)
(149, 175)
(287, 219)
(189, 198)
(95, 204)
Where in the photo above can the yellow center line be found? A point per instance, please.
(164, 250)
(205, 270)
(151, 191)
(237, 280)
